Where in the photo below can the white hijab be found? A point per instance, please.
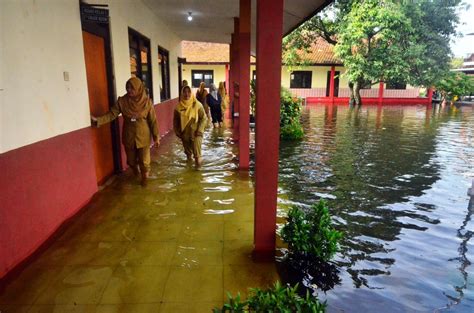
(213, 91)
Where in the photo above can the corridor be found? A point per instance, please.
(178, 245)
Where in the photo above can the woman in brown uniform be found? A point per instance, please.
(139, 125)
(189, 122)
(201, 96)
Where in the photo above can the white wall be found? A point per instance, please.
(134, 14)
(36, 101)
(42, 39)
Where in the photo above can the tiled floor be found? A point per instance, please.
(177, 245)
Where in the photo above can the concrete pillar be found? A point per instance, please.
(269, 37)
(381, 86)
(430, 95)
(244, 83)
(331, 83)
(235, 80)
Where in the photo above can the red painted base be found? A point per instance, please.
(45, 184)
(313, 100)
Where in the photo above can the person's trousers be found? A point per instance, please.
(138, 157)
(193, 147)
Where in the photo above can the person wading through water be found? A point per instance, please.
(189, 121)
(139, 125)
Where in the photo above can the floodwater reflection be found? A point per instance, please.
(395, 178)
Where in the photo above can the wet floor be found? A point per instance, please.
(396, 179)
(177, 245)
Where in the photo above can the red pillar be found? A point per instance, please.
(244, 84)
(269, 36)
(381, 85)
(235, 81)
(331, 83)
(227, 73)
(226, 113)
(430, 95)
(230, 85)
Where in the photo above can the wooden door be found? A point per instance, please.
(94, 52)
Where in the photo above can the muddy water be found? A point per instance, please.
(396, 179)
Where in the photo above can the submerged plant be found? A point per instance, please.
(284, 299)
(310, 233)
(290, 114)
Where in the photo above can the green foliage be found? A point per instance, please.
(427, 47)
(456, 62)
(291, 131)
(369, 41)
(290, 114)
(233, 305)
(284, 299)
(455, 85)
(311, 233)
(253, 97)
(383, 39)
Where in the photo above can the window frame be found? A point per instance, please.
(164, 67)
(141, 43)
(203, 72)
(293, 75)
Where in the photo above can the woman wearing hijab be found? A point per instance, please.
(224, 97)
(139, 124)
(189, 122)
(201, 96)
(214, 101)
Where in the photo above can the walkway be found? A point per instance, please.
(177, 245)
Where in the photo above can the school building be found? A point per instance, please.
(321, 81)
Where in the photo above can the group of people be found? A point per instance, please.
(190, 119)
(214, 101)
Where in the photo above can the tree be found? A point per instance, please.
(454, 85)
(382, 40)
(370, 43)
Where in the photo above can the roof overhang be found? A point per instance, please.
(213, 21)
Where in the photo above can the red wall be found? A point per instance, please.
(44, 184)
(370, 100)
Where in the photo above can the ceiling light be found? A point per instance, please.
(190, 16)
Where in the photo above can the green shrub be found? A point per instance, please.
(290, 113)
(284, 299)
(310, 234)
(292, 131)
(454, 85)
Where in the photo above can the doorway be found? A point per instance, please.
(105, 140)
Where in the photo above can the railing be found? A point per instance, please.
(365, 93)
(308, 92)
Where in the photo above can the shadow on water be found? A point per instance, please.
(395, 178)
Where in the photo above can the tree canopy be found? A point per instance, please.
(386, 40)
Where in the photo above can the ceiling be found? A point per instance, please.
(213, 21)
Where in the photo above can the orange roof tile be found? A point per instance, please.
(208, 52)
(321, 52)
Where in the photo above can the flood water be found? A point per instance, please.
(396, 180)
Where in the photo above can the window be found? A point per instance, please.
(198, 76)
(163, 61)
(301, 79)
(396, 85)
(140, 59)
